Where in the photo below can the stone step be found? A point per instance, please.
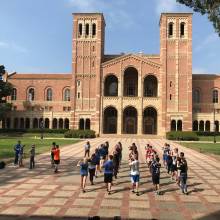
(146, 136)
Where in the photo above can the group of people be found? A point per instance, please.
(19, 155)
(100, 161)
(176, 165)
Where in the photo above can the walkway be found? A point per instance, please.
(26, 194)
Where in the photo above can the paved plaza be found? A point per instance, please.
(41, 194)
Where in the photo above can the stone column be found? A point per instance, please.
(119, 122)
(140, 122)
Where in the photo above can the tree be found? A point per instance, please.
(5, 90)
(209, 7)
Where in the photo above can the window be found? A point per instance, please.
(93, 30)
(80, 30)
(93, 48)
(66, 95)
(93, 63)
(31, 95)
(196, 96)
(215, 96)
(78, 82)
(14, 94)
(170, 97)
(170, 29)
(78, 95)
(87, 29)
(49, 94)
(182, 29)
(170, 83)
(50, 108)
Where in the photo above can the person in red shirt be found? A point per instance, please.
(56, 153)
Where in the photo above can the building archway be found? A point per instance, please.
(201, 126)
(87, 126)
(60, 123)
(217, 126)
(66, 123)
(173, 125)
(179, 125)
(150, 86)
(8, 123)
(16, 123)
(207, 126)
(111, 86)
(54, 124)
(110, 120)
(47, 123)
(131, 82)
(150, 121)
(195, 125)
(27, 123)
(35, 123)
(130, 120)
(81, 124)
(22, 123)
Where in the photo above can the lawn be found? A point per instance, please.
(7, 145)
(209, 138)
(210, 148)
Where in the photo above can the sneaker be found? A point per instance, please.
(137, 193)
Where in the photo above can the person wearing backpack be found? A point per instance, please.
(87, 149)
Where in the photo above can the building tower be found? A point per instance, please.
(88, 52)
(176, 70)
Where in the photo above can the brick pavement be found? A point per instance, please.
(41, 194)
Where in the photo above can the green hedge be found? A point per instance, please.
(206, 133)
(45, 130)
(182, 135)
(80, 134)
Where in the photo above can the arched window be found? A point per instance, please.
(31, 94)
(54, 123)
(35, 123)
(93, 30)
(87, 29)
(88, 123)
(179, 125)
(47, 123)
(150, 86)
(111, 86)
(195, 125)
(49, 94)
(196, 96)
(66, 123)
(60, 123)
(81, 124)
(207, 126)
(21, 123)
(14, 94)
(66, 95)
(182, 29)
(201, 126)
(80, 30)
(173, 125)
(170, 29)
(215, 96)
(216, 126)
(27, 123)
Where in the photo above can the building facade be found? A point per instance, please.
(119, 94)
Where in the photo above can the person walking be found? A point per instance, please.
(56, 153)
(92, 168)
(83, 172)
(155, 171)
(116, 161)
(32, 156)
(183, 173)
(108, 173)
(135, 174)
(20, 156)
(17, 150)
(87, 149)
(53, 147)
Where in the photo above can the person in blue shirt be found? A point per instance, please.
(84, 169)
(108, 173)
(17, 148)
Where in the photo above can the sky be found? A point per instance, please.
(35, 36)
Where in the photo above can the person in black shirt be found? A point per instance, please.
(169, 162)
(183, 173)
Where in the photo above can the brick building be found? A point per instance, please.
(119, 94)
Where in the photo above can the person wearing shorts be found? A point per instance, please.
(135, 174)
(155, 171)
(108, 173)
(56, 153)
(84, 169)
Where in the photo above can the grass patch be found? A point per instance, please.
(209, 148)
(209, 138)
(7, 145)
(30, 135)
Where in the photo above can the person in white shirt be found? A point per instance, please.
(87, 149)
(135, 173)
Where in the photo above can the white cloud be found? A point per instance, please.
(13, 46)
(209, 40)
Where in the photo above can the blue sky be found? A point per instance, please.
(35, 36)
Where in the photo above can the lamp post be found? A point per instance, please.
(214, 138)
(42, 126)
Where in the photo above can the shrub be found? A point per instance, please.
(182, 135)
(79, 134)
(207, 133)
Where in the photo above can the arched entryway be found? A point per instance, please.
(66, 123)
(201, 126)
(60, 123)
(110, 121)
(54, 124)
(35, 123)
(207, 126)
(111, 86)
(130, 120)
(87, 126)
(150, 86)
(150, 121)
(27, 123)
(47, 123)
(195, 125)
(173, 125)
(131, 82)
(81, 124)
(22, 123)
(179, 125)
